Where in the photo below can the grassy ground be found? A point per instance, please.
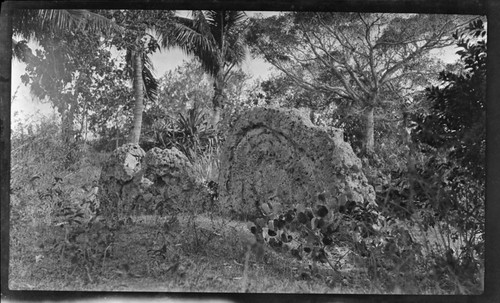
(210, 259)
(203, 254)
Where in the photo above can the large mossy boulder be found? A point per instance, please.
(278, 154)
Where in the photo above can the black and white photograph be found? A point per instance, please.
(247, 151)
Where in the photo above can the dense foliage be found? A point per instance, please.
(458, 110)
(362, 62)
(75, 72)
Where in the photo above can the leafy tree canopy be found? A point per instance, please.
(362, 60)
(457, 121)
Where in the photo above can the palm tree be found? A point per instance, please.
(216, 39)
(33, 24)
(139, 44)
(144, 85)
(42, 24)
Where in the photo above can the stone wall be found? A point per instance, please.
(278, 154)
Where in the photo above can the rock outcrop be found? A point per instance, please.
(172, 180)
(120, 179)
(278, 154)
(134, 182)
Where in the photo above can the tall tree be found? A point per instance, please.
(216, 39)
(357, 59)
(139, 43)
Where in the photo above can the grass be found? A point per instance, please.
(210, 264)
(203, 255)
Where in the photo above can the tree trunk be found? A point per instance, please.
(410, 160)
(369, 131)
(138, 87)
(67, 120)
(217, 100)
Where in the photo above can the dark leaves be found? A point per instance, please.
(279, 224)
(327, 240)
(457, 121)
(302, 218)
(321, 211)
(320, 223)
(296, 254)
(273, 242)
(290, 215)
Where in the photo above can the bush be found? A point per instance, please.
(395, 254)
(52, 191)
(190, 133)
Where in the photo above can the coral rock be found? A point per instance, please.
(119, 179)
(278, 154)
(135, 182)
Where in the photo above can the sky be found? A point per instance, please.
(26, 108)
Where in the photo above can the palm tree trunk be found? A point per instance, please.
(138, 87)
(217, 100)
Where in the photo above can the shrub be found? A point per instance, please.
(190, 133)
(52, 192)
(394, 253)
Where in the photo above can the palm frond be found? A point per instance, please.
(185, 33)
(236, 50)
(201, 24)
(95, 23)
(189, 36)
(150, 82)
(38, 24)
(59, 20)
(214, 37)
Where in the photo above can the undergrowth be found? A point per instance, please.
(57, 241)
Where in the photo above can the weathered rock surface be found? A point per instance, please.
(135, 182)
(120, 179)
(278, 154)
(172, 179)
